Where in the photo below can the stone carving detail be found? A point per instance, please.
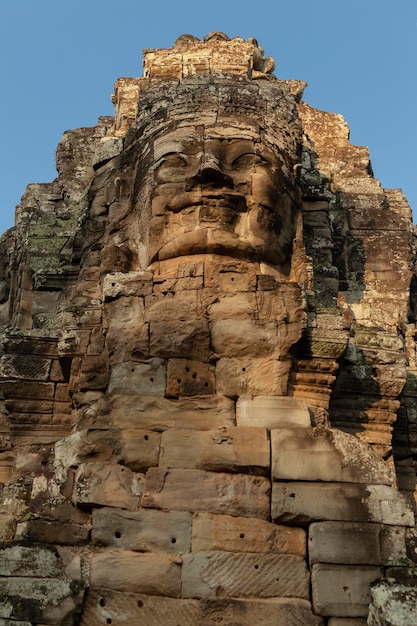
(208, 359)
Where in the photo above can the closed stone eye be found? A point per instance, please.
(172, 159)
(249, 159)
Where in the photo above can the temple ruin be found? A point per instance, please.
(208, 366)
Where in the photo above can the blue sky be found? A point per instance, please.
(59, 61)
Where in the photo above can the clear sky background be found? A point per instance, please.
(60, 58)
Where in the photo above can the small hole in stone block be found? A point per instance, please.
(187, 369)
(146, 437)
(102, 602)
(256, 566)
(117, 534)
(173, 540)
(179, 381)
(242, 535)
(243, 369)
(194, 375)
(232, 279)
(205, 384)
(151, 379)
(109, 620)
(140, 604)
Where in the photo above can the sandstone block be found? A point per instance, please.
(342, 591)
(229, 449)
(134, 608)
(18, 560)
(123, 570)
(108, 485)
(148, 377)
(262, 612)
(82, 446)
(119, 284)
(256, 377)
(350, 543)
(238, 305)
(393, 604)
(325, 454)
(272, 412)
(354, 543)
(126, 312)
(25, 367)
(197, 490)
(32, 599)
(139, 448)
(144, 531)
(304, 502)
(243, 337)
(185, 338)
(155, 413)
(245, 534)
(166, 307)
(225, 574)
(60, 533)
(130, 345)
(190, 378)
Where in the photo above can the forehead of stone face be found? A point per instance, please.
(192, 138)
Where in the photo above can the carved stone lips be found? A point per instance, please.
(231, 199)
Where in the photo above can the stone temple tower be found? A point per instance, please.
(208, 364)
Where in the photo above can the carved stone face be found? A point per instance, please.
(219, 194)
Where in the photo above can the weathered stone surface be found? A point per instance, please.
(325, 454)
(126, 608)
(341, 590)
(245, 534)
(16, 560)
(107, 484)
(139, 448)
(392, 604)
(161, 413)
(147, 378)
(262, 612)
(189, 378)
(144, 531)
(119, 284)
(356, 543)
(130, 608)
(257, 377)
(56, 532)
(228, 449)
(225, 574)
(124, 570)
(198, 490)
(304, 502)
(55, 602)
(271, 412)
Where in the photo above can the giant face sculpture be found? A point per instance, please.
(219, 195)
(219, 183)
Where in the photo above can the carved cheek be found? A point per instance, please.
(263, 190)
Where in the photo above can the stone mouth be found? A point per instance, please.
(188, 200)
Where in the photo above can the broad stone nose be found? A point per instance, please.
(211, 173)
